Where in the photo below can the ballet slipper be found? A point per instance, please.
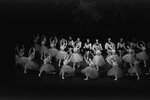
(63, 77)
(39, 75)
(147, 73)
(115, 79)
(138, 78)
(86, 78)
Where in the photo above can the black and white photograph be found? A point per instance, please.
(79, 49)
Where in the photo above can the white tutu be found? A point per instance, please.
(43, 49)
(91, 72)
(37, 47)
(117, 58)
(47, 68)
(76, 57)
(115, 71)
(128, 58)
(21, 60)
(98, 60)
(142, 55)
(67, 69)
(31, 65)
(61, 55)
(135, 69)
(53, 52)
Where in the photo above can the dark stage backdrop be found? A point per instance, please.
(77, 18)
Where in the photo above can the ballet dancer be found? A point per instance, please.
(20, 59)
(129, 57)
(98, 59)
(109, 46)
(43, 48)
(70, 42)
(61, 53)
(36, 45)
(97, 46)
(46, 67)
(31, 64)
(114, 70)
(76, 56)
(53, 51)
(90, 70)
(135, 69)
(120, 47)
(87, 45)
(143, 54)
(66, 68)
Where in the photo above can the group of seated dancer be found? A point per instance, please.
(71, 54)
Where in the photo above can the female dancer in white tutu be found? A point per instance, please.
(90, 71)
(66, 68)
(31, 64)
(61, 53)
(135, 69)
(143, 54)
(129, 57)
(36, 45)
(87, 46)
(53, 51)
(76, 57)
(109, 46)
(115, 70)
(120, 47)
(43, 48)
(98, 59)
(20, 59)
(47, 67)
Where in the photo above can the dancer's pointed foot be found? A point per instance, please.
(63, 77)
(86, 78)
(115, 79)
(138, 78)
(147, 73)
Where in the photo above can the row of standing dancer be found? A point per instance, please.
(70, 52)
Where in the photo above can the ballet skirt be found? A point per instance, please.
(128, 58)
(115, 71)
(90, 71)
(67, 69)
(142, 55)
(135, 69)
(117, 58)
(31, 65)
(37, 47)
(76, 57)
(53, 52)
(98, 59)
(47, 67)
(21, 60)
(43, 49)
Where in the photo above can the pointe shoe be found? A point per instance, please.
(63, 78)
(39, 75)
(115, 79)
(147, 73)
(138, 78)
(25, 72)
(86, 79)
(73, 68)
